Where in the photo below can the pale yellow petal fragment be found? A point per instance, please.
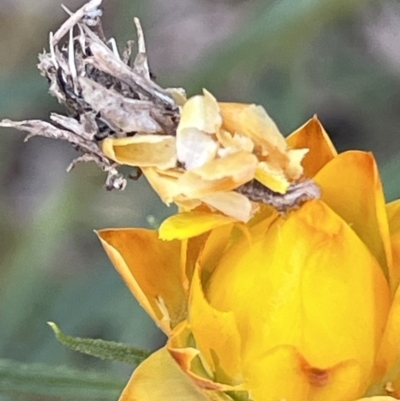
(254, 122)
(160, 378)
(281, 163)
(294, 168)
(142, 151)
(178, 94)
(233, 143)
(165, 185)
(191, 224)
(219, 175)
(195, 148)
(195, 136)
(231, 204)
(186, 205)
(201, 112)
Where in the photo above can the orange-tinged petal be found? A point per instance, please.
(142, 151)
(313, 137)
(190, 224)
(164, 185)
(389, 351)
(214, 247)
(160, 378)
(282, 374)
(190, 360)
(351, 186)
(393, 212)
(152, 271)
(291, 275)
(216, 335)
(191, 249)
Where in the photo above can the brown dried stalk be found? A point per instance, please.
(104, 94)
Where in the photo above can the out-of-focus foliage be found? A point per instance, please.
(330, 57)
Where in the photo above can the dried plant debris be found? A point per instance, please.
(230, 157)
(104, 95)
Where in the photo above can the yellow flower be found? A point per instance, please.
(297, 307)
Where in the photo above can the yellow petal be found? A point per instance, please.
(282, 374)
(142, 151)
(160, 378)
(191, 224)
(272, 177)
(351, 186)
(308, 282)
(389, 351)
(313, 137)
(216, 335)
(152, 271)
(218, 175)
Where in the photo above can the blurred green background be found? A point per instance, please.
(339, 59)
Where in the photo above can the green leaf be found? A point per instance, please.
(102, 349)
(57, 381)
